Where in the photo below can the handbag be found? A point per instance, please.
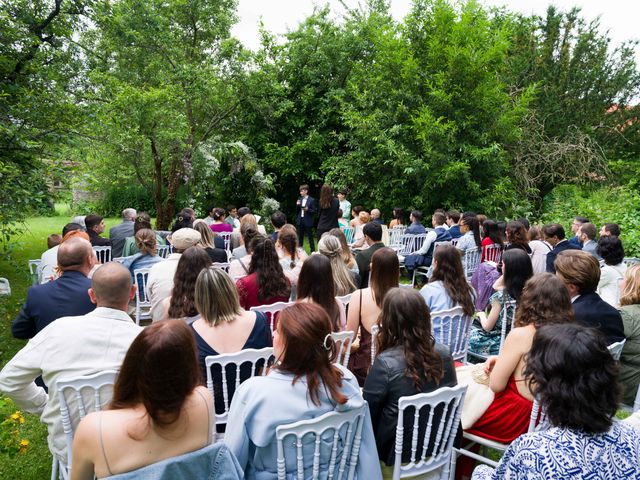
(478, 397)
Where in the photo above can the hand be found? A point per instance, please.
(489, 364)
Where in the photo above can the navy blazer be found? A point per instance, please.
(561, 246)
(591, 311)
(66, 296)
(307, 220)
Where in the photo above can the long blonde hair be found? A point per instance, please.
(330, 247)
(216, 297)
(630, 295)
(205, 233)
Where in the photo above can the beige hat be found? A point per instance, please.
(185, 238)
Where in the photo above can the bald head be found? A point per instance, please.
(111, 285)
(75, 254)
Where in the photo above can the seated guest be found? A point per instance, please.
(630, 312)
(610, 230)
(554, 236)
(539, 250)
(291, 256)
(424, 256)
(355, 213)
(453, 217)
(95, 226)
(53, 240)
(612, 272)
(248, 221)
(239, 266)
(358, 236)
(207, 241)
(316, 285)
(584, 441)
(184, 219)
(66, 296)
(470, 232)
(278, 220)
(146, 422)
(543, 302)
(373, 238)
(375, 216)
(266, 283)
(142, 221)
(517, 237)
(416, 227)
(232, 217)
(302, 384)
(118, 233)
(587, 234)
(181, 303)
(160, 280)
(398, 218)
(409, 361)
(219, 225)
(71, 347)
(208, 220)
(484, 339)
(347, 256)
(580, 272)
(366, 305)
(343, 278)
(146, 243)
(491, 235)
(448, 286)
(49, 259)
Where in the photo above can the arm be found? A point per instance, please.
(505, 364)
(84, 448)
(430, 238)
(353, 315)
(17, 377)
(376, 388)
(489, 321)
(24, 325)
(311, 205)
(236, 436)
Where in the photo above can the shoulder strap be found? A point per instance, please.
(360, 309)
(206, 404)
(104, 454)
(244, 267)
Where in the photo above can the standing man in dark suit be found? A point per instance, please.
(575, 229)
(554, 235)
(580, 272)
(306, 207)
(119, 233)
(373, 236)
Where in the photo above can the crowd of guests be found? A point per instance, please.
(564, 300)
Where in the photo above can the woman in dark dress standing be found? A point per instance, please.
(329, 206)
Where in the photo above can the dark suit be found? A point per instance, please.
(591, 311)
(561, 246)
(363, 259)
(67, 296)
(117, 235)
(98, 241)
(575, 241)
(305, 223)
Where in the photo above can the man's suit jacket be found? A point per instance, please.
(591, 311)
(561, 246)
(64, 297)
(363, 259)
(98, 241)
(117, 235)
(307, 220)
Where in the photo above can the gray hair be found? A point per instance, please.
(129, 214)
(216, 297)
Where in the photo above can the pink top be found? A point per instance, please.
(221, 227)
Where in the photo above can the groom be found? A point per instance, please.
(305, 206)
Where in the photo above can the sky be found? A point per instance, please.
(620, 17)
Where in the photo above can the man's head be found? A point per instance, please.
(610, 230)
(577, 223)
(580, 271)
(76, 254)
(587, 232)
(111, 286)
(438, 219)
(129, 214)
(278, 220)
(53, 240)
(69, 227)
(94, 222)
(304, 190)
(184, 238)
(375, 213)
(242, 211)
(453, 217)
(232, 211)
(553, 233)
(372, 232)
(416, 216)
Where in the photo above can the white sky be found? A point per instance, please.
(620, 17)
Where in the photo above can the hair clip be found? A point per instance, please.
(324, 344)
(180, 218)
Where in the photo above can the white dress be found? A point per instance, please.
(539, 250)
(609, 284)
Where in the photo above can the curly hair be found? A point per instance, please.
(448, 269)
(574, 377)
(405, 322)
(191, 263)
(517, 234)
(544, 300)
(611, 250)
(266, 265)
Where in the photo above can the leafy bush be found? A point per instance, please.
(619, 205)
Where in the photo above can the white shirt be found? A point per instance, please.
(48, 263)
(609, 284)
(429, 239)
(67, 348)
(160, 283)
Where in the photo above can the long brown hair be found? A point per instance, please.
(288, 240)
(308, 351)
(162, 355)
(326, 195)
(405, 322)
(448, 269)
(266, 265)
(544, 300)
(191, 263)
(346, 251)
(385, 273)
(316, 283)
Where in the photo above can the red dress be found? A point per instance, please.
(248, 293)
(506, 418)
(486, 241)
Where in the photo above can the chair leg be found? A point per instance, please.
(452, 465)
(54, 468)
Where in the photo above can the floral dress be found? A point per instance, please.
(488, 343)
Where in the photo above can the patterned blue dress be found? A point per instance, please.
(561, 453)
(488, 343)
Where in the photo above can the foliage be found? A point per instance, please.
(602, 205)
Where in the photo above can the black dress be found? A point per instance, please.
(328, 217)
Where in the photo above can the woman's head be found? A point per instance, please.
(219, 214)
(183, 220)
(342, 238)
(288, 242)
(385, 273)
(143, 220)
(490, 230)
(516, 233)
(517, 269)
(216, 297)
(469, 223)
(611, 250)
(146, 241)
(405, 322)
(249, 218)
(544, 300)
(326, 195)
(630, 286)
(163, 354)
(303, 346)
(316, 283)
(205, 232)
(574, 377)
(266, 265)
(191, 263)
(447, 268)
(534, 233)
(248, 232)
(330, 247)
(364, 217)
(398, 214)
(355, 211)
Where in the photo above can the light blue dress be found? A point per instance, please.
(466, 242)
(561, 453)
(262, 403)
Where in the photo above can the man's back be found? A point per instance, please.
(591, 311)
(117, 235)
(363, 259)
(560, 247)
(160, 283)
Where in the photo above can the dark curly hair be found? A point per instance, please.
(191, 263)
(184, 219)
(574, 377)
(266, 265)
(611, 250)
(448, 269)
(544, 300)
(405, 322)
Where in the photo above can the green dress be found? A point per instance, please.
(630, 359)
(488, 343)
(130, 247)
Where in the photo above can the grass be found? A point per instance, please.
(32, 461)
